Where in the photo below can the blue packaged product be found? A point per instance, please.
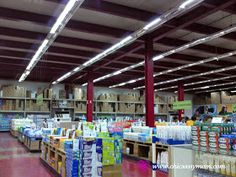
(86, 145)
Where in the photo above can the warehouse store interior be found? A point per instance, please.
(107, 88)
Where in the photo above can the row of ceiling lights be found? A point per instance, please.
(57, 27)
(198, 82)
(214, 90)
(195, 75)
(178, 49)
(186, 5)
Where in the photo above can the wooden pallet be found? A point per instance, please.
(141, 150)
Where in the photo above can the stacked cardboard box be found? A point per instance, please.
(79, 94)
(62, 94)
(171, 99)
(227, 98)
(17, 105)
(139, 109)
(129, 97)
(215, 98)
(107, 97)
(162, 108)
(106, 107)
(126, 108)
(13, 91)
(47, 93)
(80, 107)
(31, 105)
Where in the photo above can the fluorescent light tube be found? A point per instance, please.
(153, 23)
(132, 81)
(76, 69)
(158, 57)
(27, 73)
(116, 73)
(63, 15)
(185, 4)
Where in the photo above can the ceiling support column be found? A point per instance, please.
(90, 88)
(149, 82)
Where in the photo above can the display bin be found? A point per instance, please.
(14, 133)
(140, 150)
(21, 137)
(54, 158)
(32, 144)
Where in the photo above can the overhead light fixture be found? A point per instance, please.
(76, 69)
(153, 23)
(197, 42)
(144, 30)
(205, 87)
(233, 91)
(190, 65)
(195, 75)
(215, 90)
(132, 81)
(186, 3)
(54, 82)
(84, 84)
(117, 73)
(57, 27)
(68, 11)
(158, 57)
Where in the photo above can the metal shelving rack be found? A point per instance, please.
(83, 112)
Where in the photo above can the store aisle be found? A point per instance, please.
(16, 161)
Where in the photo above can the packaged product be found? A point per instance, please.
(223, 165)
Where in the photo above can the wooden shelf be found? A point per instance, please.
(13, 98)
(78, 112)
(44, 99)
(125, 113)
(105, 112)
(10, 111)
(42, 112)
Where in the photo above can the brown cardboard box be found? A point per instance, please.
(62, 94)
(162, 108)
(129, 97)
(79, 94)
(215, 98)
(139, 109)
(13, 91)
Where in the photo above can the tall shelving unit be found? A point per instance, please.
(119, 105)
(82, 109)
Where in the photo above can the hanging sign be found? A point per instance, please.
(179, 105)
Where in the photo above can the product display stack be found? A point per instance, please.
(93, 151)
(214, 146)
(85, 159)
(214, 137)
